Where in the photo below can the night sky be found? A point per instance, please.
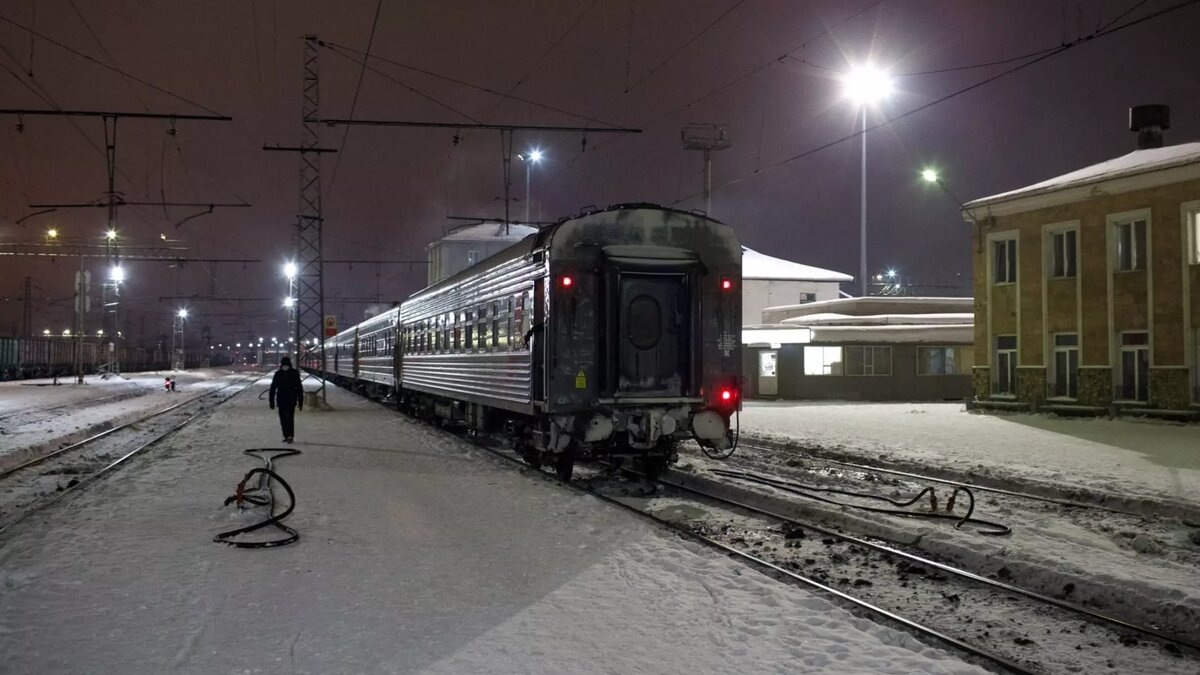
(636, 64)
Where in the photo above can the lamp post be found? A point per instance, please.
(530, 158)
(177, 342)
(866, 86)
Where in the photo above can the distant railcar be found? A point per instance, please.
(614, 333)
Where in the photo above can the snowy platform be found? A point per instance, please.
(418, 554)
(1131, 458)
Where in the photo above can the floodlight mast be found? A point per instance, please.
(706, 138)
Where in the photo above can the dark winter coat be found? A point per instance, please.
(286, 388)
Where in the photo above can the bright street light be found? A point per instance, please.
(290, 270)
(289, 302)
(117, 274)
(891, 274)
(46, 331)
(110, 235)
(929, 176)
(182, 313)
(52, 233)
(67, 333)
(534, 156)
(866, 85)
(100, 332)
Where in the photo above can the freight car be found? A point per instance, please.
(614, 333)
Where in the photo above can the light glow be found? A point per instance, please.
(867, 85)
(290, 270)
(52, 233)
(110, 235)
(117, 274)
(929, 176)
(566, 281)
(182, 313)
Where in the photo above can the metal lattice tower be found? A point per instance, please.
(111, 287)
(310, 284)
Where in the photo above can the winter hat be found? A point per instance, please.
(285, 361)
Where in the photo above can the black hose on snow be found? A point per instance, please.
(266, 497)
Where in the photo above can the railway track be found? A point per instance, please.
(41, 481)
(1073, 497)
(989, 621)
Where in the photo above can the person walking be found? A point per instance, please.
(287, 390)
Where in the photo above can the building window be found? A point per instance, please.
(943, 360)
(1131, 245)
(1192, 223)
(822, 360)
(472, 257)
(1066, 365)
(1062, 251)
(868, 360)
(806, 298)
(1135, 366)
(1005, 380)
(1004, 261)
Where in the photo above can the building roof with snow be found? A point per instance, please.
(1136, 170)
(757, 265)
(490, 232)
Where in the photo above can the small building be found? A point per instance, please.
(769, 282)
(467, 245)
(864, 349)
(1085, 285)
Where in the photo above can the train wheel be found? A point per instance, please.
(654, 466)
(532, 456)
(564, 465)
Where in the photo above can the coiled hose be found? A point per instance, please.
(266, 497)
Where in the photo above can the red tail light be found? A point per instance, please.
(727, 284)
(727, 394)
(566, 281)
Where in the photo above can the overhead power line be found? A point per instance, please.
(546, 52)
(102, 64)
(337, 162)
(684, 46)
(1058, 50)
(463, 83)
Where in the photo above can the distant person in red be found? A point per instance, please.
(289, 393)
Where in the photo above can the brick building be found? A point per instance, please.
(1086, 287)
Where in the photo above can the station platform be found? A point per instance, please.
(418, 553)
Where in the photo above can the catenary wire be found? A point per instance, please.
(464, 83)
(976, 85)
(102, 64)
(337, 160)
(684, 46)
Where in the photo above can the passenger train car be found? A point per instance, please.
(614, 333)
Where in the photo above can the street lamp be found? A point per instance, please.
(930, 175)
(116, 274)
(52, 233)
(46, 332)
(289, 302)
(530, 158)
(865, 85)
(290, 270)
(110, 235)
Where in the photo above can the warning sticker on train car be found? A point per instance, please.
(581, 379)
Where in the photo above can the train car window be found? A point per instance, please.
(496, 334)
(484, 340)
(468, 331)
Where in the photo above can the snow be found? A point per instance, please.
(418, 553)
(757, 265)
(1132, 458)
(1138, 161)
(833, 318)
(491, 232)
(26, 431)
(939, 334)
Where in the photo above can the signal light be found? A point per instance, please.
(726, 395)
(726, 284)
(566, 281)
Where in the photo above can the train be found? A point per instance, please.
(23, 358)
(612, 334)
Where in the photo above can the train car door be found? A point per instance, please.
(653, 334)
(768, 372)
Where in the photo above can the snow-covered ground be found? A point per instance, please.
(419, 554)
(1133, 458)
(41, 418)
